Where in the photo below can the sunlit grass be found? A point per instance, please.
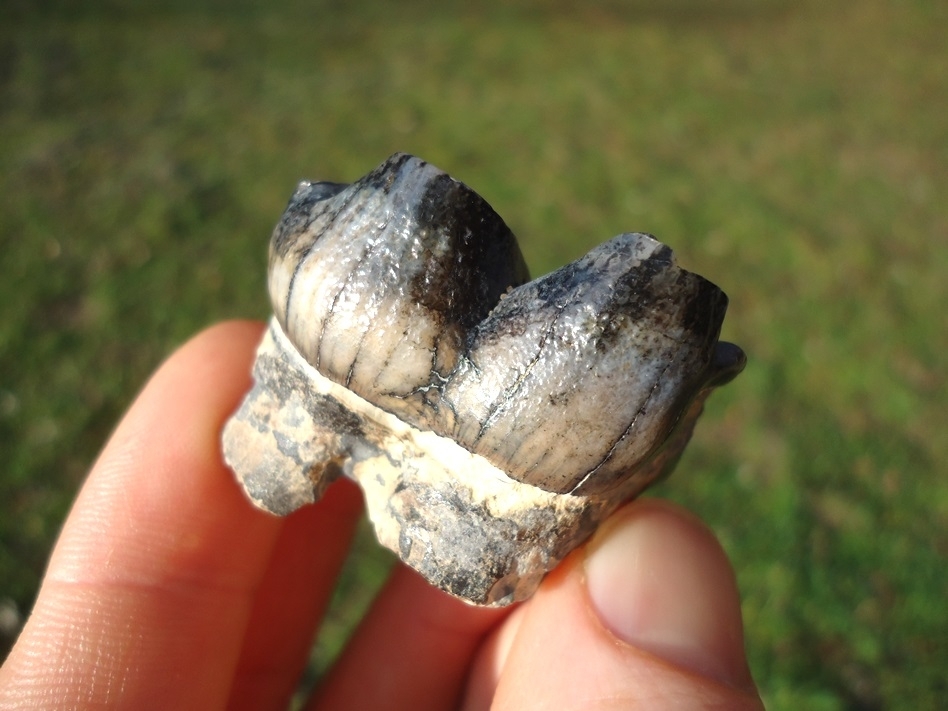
(795, 153)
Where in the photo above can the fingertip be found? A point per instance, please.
(162, 471)
(647, 615)
(658, 580)
(489, 663)
(293, 597)
(413, 650)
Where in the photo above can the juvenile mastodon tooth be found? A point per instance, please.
(491, 421)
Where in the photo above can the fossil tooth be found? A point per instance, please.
(491, 421)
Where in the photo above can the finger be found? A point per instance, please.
(293, 598)
(149, 589)
(412, 651)
(649, 616)
(489, 661)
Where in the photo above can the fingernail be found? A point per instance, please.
(659, 581)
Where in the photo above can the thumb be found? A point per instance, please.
(648, 616)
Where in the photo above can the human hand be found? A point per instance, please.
(168, 590)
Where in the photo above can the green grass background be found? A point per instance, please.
(796, 153)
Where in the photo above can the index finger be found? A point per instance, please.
(152, 584)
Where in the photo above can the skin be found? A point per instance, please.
(167, 589)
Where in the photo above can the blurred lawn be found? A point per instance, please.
(796, 153)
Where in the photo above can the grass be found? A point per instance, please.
(794, 153)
